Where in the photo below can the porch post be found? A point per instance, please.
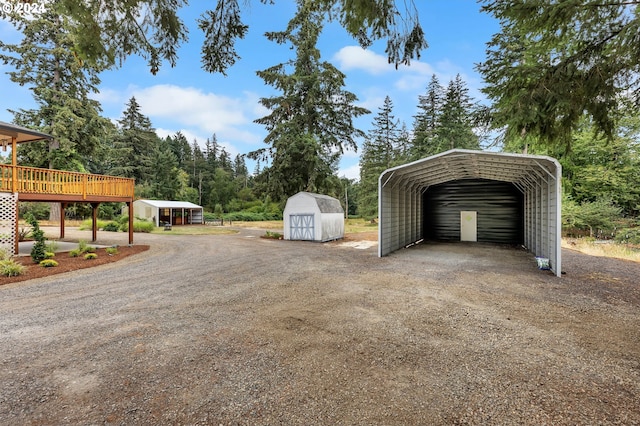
(130, 210)
(14, 163)
(14, 189)
(16, 246)
(63, 206)
(94, 227)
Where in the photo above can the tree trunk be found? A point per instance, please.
(54, 212)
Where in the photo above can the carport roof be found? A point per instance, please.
(459, 164)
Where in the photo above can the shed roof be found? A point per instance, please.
(22, 134)
(165, 204)
(325, 203)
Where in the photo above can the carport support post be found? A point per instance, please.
(94, 227)
(63, 206)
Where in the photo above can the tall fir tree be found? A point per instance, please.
(379, 152)
(311, 122)
(554, 61)
(181, 149)
(61, 85)
(455, 128)
(135, 143)
(426, 122)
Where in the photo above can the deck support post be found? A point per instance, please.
(63, 206)
(94, 225)
(130, 210)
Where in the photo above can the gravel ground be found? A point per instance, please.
(236, 329)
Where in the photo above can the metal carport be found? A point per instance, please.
(538, 178)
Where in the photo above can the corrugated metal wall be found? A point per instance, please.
(500, 207)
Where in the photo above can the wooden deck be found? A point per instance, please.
(33, 184)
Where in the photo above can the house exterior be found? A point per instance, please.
(162, 212)
(313, 217)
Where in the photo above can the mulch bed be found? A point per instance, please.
(67, 263)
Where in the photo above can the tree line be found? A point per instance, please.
(562, 79)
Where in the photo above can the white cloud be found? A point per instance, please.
(355, 57)
(191, 110)
(351, 172)
(191, 106)
(108, 96)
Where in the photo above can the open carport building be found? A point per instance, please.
(473, 196)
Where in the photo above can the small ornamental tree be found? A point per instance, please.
(39, 249)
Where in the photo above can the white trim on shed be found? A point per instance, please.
(538, 178)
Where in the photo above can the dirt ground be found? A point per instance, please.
(240, 330)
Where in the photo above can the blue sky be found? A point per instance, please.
(199, 104)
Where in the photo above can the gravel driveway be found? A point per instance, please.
(235, 329)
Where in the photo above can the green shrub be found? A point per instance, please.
(84, 247)
(24, 233)
(48, 263)
(74, 253)
(4, 255)
(138, 226)
(248, 216)
(273, 235)
(10, 268)
(52, 246)
(90, 256)
(88, 224)
(39, 248)
(111, 227)
(111, 250)
(628, 236)
(49, 254)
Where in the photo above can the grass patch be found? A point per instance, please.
(10, 268)
(353, 226)
(111, 250)
(608, 249)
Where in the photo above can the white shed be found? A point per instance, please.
(469, 195)
(174, 212)
(313, 217)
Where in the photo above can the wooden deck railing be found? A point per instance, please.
(32, 180)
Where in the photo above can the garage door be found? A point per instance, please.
(499, 206)
(301, 227)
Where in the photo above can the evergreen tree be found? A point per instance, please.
(181, 149)
(554, 61)
(426, 122)
(61, 86)
(110, 31)
(164, 175)
(455, 128)
(310, 123)
(212, 153)
(379, 152)
(598, 170)
(135, 143)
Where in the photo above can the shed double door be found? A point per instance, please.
(302, 227)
